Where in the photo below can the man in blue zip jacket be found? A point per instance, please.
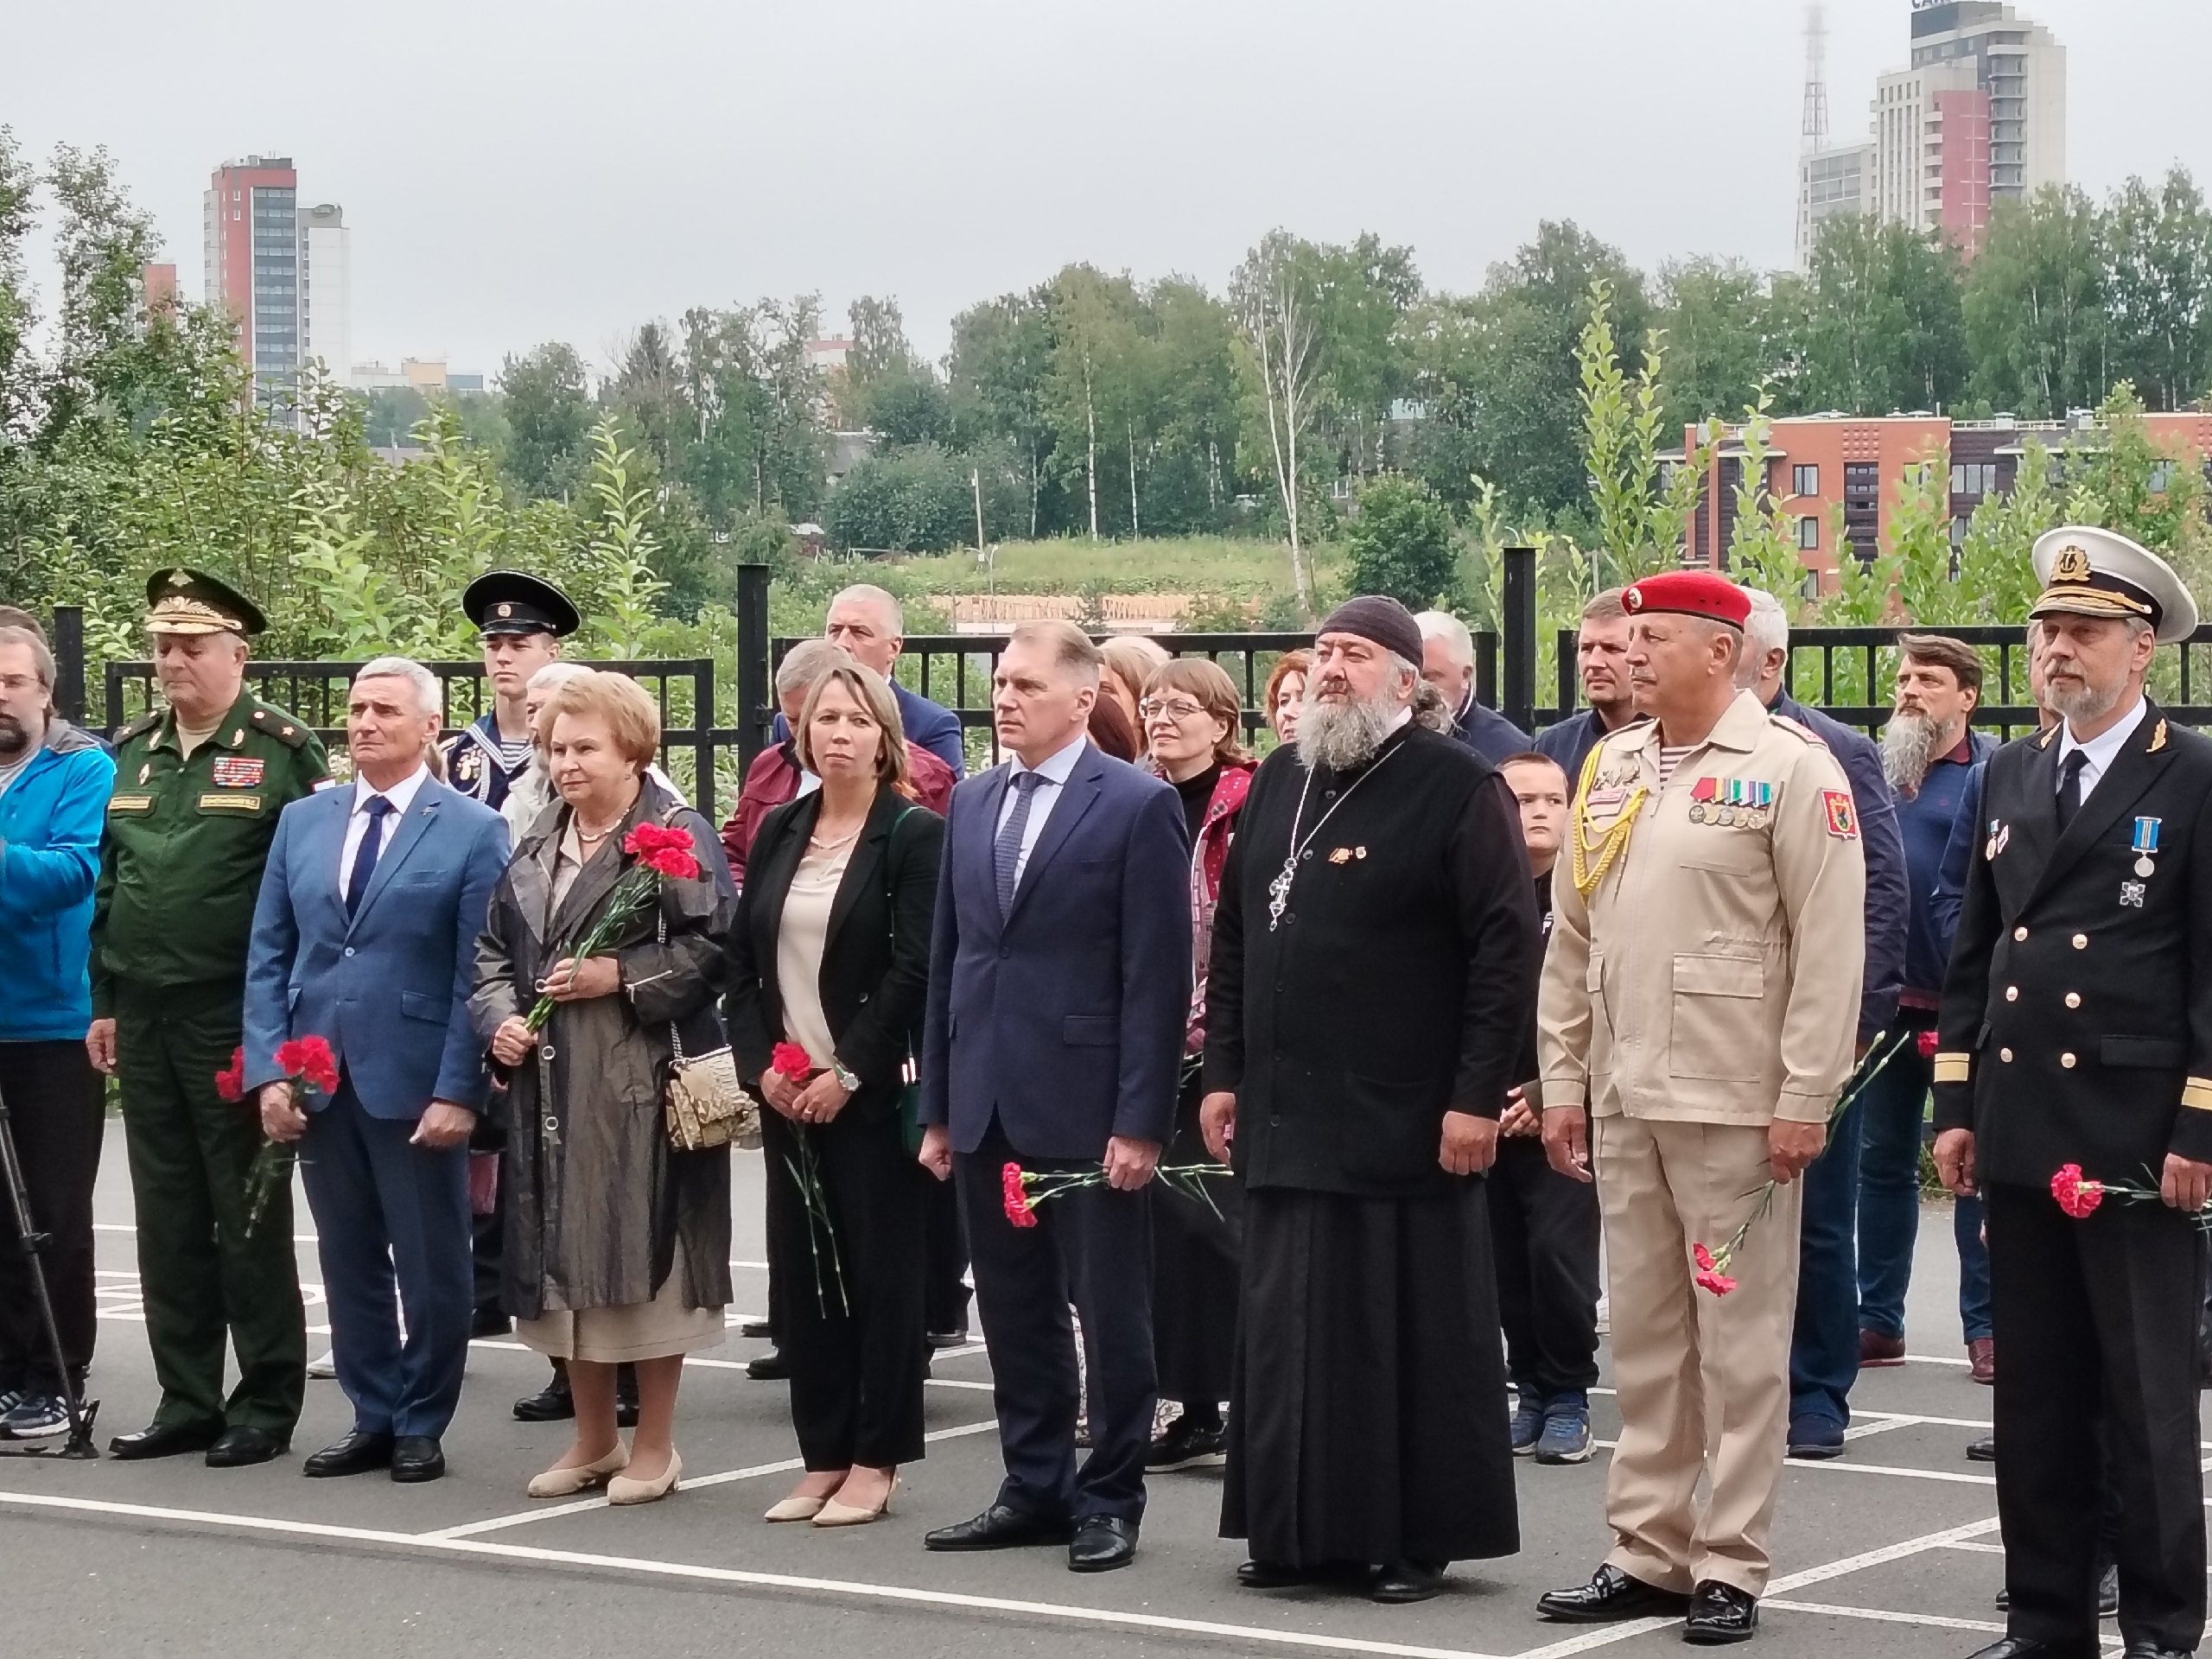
(54, 782)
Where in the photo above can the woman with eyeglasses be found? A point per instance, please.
(1192, 720)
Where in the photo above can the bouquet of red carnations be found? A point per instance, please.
(795, 1063)
(308, 1064)
(1023, 1189)
(661, 850)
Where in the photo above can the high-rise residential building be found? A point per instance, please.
(252, 247)
(326, 289)
(1977, 117)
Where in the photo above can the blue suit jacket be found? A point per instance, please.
(389, 989)
(1065, 1018)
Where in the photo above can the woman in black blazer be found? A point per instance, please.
(829, 954)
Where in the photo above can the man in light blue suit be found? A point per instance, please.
(364, 935)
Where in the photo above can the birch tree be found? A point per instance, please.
(1275, 306)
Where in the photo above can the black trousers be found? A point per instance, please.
(851, 1278)
(1196, 1256)
(54, 1105)
(1092, 1247)
(1544, 1228)
(2099, 1322)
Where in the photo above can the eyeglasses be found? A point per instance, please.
(1151, 709)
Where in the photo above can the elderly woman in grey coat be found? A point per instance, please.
(617, 1246)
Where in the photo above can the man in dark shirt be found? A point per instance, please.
(1447, 662)
(1824, 1346)
(1601, 659)
(1929, 755)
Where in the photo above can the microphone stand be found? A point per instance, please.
(79, 1446)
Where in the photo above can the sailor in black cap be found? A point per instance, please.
(2076, 1036)
(521, 620)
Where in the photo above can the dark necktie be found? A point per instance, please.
(1006, 851)
(365, 856)
(2069, 787)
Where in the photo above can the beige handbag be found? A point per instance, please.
(706, 1107)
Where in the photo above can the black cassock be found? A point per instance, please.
(1368, 1419)
(2077, 1028)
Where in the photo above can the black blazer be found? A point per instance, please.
(2077, 1013)
(875, 963)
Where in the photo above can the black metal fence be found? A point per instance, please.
(1845, 670)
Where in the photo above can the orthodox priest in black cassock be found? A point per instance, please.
(1376, 955)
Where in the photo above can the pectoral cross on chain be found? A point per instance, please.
(1279, 891)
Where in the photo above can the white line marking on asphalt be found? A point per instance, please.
(1049, 1609)
(1860, 1431)
(1934, 1621)
(1844, 1466)
(1979, 1549)
(786, 1465)
(1603, 1637)
(1888, 1552)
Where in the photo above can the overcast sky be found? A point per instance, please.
(516, 172)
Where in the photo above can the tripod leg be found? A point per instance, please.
(33, 1243)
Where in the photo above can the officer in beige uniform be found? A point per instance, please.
(1700, 995)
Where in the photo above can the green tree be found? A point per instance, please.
(549, 414)
(1001, 361)
(1877, 324)
(1641, 513)
(2035, 306)
(1401, 545)
(1720, 323)
(2157, 247)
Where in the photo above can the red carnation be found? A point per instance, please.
(1017, 1210)
(1709, 1275)
(1928, 1041)
(791, 1060)
(230, 1082)
(310, 1058)
(2076, 1196)
(664, 850)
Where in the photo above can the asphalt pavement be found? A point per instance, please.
(1890, 1549)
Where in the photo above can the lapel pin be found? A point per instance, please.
(1342, 855)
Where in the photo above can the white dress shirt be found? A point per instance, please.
(1054, 772)
(2102, 750)
(401, 795)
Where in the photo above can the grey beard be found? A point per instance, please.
(1908, 749)
(2088, 703)
(1337, 737)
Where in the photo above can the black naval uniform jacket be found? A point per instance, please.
(2077, 1024)
(1397, 986)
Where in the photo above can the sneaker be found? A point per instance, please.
(326, 1367)
(1815, 1437)
(1566, 1437)
(1528, 1426)
(1186, 1445)
(33, 1417)
(10, 1398)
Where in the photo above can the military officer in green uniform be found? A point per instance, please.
(198, 784)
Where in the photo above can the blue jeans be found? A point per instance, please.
(1824, 1342)
(1895, 1106)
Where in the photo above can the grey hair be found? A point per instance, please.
(1767, 628)
(1442, 625)
(806, 663)
(42, 654)
(553, 673)
(430, 695)
(878, 597)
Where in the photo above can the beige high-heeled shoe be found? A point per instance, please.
(622, 1490)
(834, 1514)
(798, 1507)
(567, 1483)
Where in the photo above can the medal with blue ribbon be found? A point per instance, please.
(2144, 844)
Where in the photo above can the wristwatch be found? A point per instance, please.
(846, 1080)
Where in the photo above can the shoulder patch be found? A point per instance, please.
(1843, 820)
(277, 723)
(140, 727)
(1797, 728)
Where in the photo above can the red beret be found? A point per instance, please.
(1690, 593)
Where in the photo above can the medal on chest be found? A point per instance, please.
(2144, 845)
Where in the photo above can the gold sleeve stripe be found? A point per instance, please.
(1957, 1068)
(2197, 1093)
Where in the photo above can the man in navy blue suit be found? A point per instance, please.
(1059, 981)
(364, 935)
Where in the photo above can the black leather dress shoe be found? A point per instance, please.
(240, 1448)
(163, 1441)
(1273, 1575)
(1102, 1542)
(551, 1404)
(357, 1454)
(1983, 1450)
(770, 1367)
(1612, 1595)
(416, 1457)
(2017, 1647)
(1000, 1527)
(756, 1330)
(2109, 1591)
(1720, 1613)
(1406, 1581)
(2145, 1650)
(626, 1396)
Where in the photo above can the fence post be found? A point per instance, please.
(754, 709)
(69, 663)
(1518, 704)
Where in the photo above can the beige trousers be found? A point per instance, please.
(1704, 1380)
